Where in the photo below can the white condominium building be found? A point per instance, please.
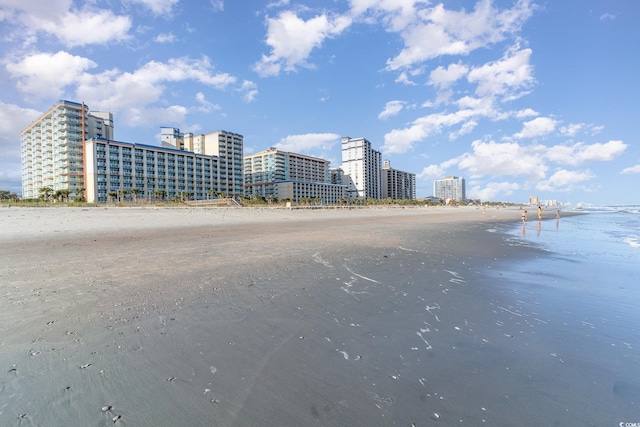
(396, 184)
(361, 166)
(52, 148)
(227, 146)
(142, 171)
(285, 175)
(451, 187)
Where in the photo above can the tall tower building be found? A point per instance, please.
(227, 146)
(396, 184)
(451, 187)
(53, 147)
(361, 166)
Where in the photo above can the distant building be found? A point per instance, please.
(396, 184)
(141, 171)
(533, 200)
(336, 176)
(52, 148)
(286, 175)
(227, 146)
(451, 187)
(361, 166)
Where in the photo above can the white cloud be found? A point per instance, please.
(504, 159)
(249, 89)
(580, 152)
(631, 169)
(430, 32)
(402, 140)
(539, 126)
(510, 76)
(158, 7)
(392, 108)
(81, 28)
(607, 17)
(205, 106)
(443, 78)
(573, 129)
(492, 190)
(564, 180)
(166, 38)
(465, 129)
(132, 93)
(432, 172)
(527, 112)
(403, 78)
(46, 74)
(292, 39)
(71, 26)
(217, 5)
(310, 141)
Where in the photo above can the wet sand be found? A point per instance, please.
(238, 317)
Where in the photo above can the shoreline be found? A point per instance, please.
(232, 318)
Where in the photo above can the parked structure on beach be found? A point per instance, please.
(361, 165)
(53, 148)
(284, 175)
(451, 187)
(397, 184)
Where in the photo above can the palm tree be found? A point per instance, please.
(80, 194)
(62, 195)
(135, 192)
(45, 193)
(112, 195)
(123, 194)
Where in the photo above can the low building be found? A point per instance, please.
(143, 171)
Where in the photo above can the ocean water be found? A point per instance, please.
(585, 285)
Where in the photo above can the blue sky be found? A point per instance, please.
(519, 97)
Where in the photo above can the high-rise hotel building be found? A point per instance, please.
(361, 166)
(227, 146)
(144, 171)
(451, 187)
(52, 147)
(396, 184)
(285, 175)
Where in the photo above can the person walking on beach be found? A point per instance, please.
(523, 215)
(539, 213)
(558, 214)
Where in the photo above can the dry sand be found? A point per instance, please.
(269, 317)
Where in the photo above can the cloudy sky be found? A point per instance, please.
(519, 97)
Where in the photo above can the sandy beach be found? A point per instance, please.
(266, 317)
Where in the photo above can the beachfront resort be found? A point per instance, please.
(71, 150)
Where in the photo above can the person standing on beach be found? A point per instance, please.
(524, 216)
(539, 213)
(558, 214)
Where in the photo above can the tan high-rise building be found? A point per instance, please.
(227, 146)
